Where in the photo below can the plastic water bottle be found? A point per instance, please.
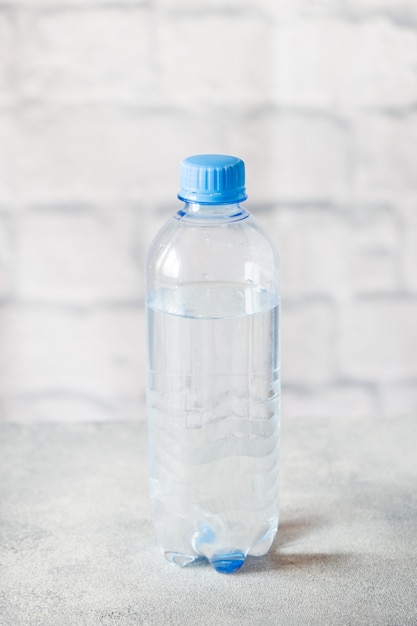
(213, 373)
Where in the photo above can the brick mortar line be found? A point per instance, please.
(387, 297)
(344, 15)
(342, 117)
(375, 14)
(78, 7)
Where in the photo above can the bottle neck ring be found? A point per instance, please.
(210, 212)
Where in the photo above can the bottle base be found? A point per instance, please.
(228, 562)
(223, 560)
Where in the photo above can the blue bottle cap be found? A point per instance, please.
(212, 179)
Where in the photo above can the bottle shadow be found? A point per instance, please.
(276, 559)
(289, 532)
(297, 561)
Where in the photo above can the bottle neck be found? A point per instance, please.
(209, 212)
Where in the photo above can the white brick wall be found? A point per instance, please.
(385, 165)
(87, 356)
(6, 150)
(378, 339)
(101, 154)
(229, 74)
(6, 257)
(79, 256)
(100, 101)
(285, 158)
(7, 56)
(308, 343)
(77, 56)
(407, 211)
(341, 64)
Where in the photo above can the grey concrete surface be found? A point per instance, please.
(77, 545)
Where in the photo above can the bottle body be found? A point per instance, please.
(213, 386)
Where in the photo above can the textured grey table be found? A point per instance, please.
(77, 546)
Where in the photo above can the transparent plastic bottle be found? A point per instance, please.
(213, 373)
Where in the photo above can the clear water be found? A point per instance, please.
(213, 405)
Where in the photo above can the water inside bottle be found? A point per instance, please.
(213, 403)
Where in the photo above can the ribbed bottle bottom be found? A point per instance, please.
(224, 561)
